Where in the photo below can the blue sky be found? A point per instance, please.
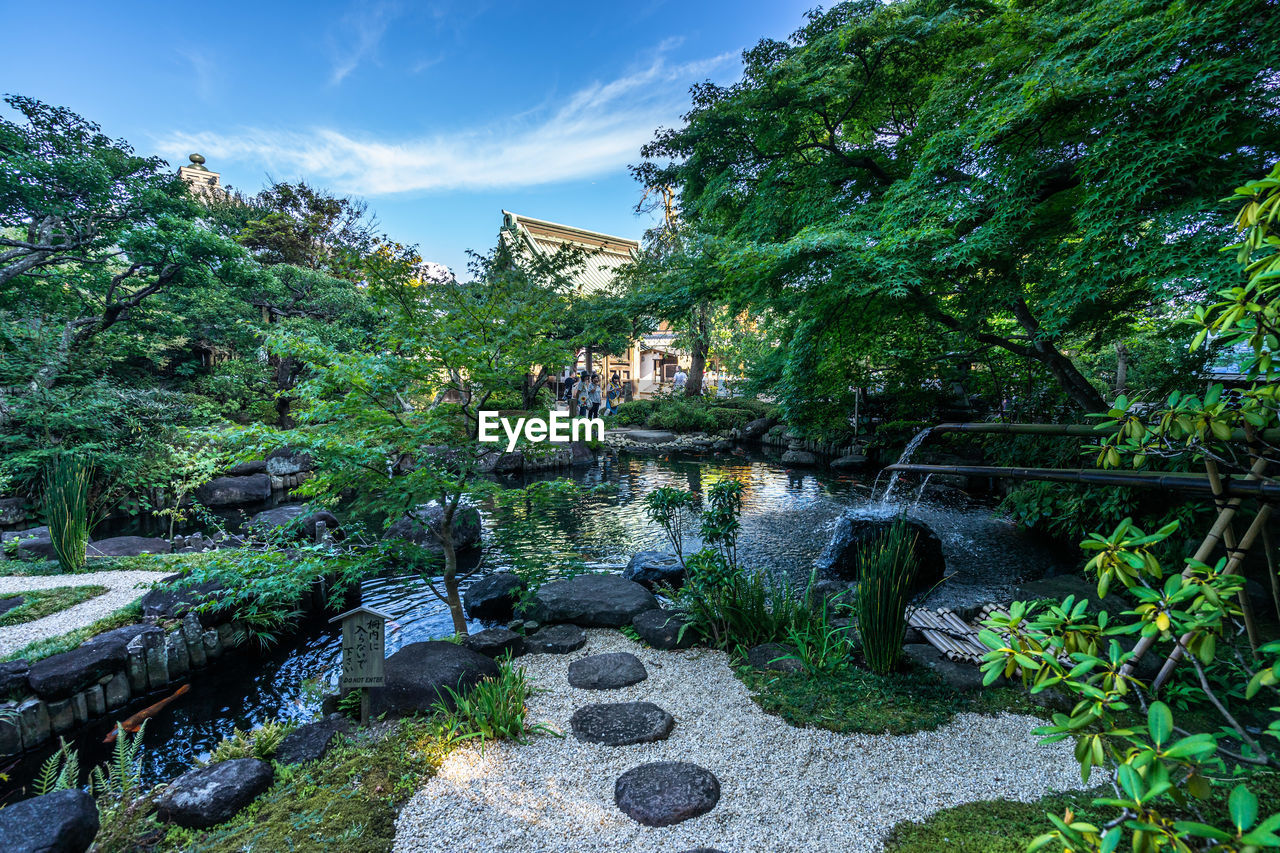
(438, 114)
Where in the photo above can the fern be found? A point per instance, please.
(123, 775)
(60, 771)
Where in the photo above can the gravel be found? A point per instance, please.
(122, 588)
(783, 788)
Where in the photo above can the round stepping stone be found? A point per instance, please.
(666, 792)
(556, 640)
(607, 671)
(621, 723)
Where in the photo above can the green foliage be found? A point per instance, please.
(261, 742)
(122, 778)
(493, 709)
(886, 572)
(989, 826)
(60, 771)
(673, 510)
(737, 609)
(66, 509)
(690, 414)
(720, 520)
(38, 603)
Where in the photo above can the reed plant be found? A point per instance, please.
(886, 570)
(66, 509)
(494, 709)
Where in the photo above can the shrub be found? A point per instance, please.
(673, 510)
(886, 569)
(495, 708)
(66, 509)
(261, 742)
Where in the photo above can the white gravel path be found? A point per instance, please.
(122, 589)
(782, 788)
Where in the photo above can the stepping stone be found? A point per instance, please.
(621, 723)
(556, 640)
(661, 629)
(666, 792)
(591, 601)
(607, 671)
(496, 642)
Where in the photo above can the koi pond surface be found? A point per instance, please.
(788, 515)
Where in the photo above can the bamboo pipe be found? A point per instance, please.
(1202, 555)
(1259, 522)
(1076, 430)
(1229, 539)
(1191, 483)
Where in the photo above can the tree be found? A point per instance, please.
(1018, 177)
(1161, 772)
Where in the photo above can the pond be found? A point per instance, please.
(787, 520)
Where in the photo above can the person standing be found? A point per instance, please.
(569, 382)
(589, 396)
(680, 378)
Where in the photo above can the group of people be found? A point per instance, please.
(593, 400)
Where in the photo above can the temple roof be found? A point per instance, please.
(606, 254)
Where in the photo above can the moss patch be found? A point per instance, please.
(856, 700)
(39, 603)
(41, 649)
(991, 826)
(346, 801)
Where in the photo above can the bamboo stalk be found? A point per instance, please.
(1076, 430)
(1201, 555)
(1259, 522)
(1229, 539)
(1272, 571)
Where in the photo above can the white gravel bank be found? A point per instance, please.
(122, 588)
(782, 788)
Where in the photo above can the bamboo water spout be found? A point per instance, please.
(1075, 430)
(1190, 483)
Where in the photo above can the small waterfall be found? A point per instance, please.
(920, 494)
(911, 448)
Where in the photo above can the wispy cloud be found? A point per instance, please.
(597, 129)
(358, 36)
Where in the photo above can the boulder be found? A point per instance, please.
(312, 741)
(496, 642)
(253, 466)
(235, 491)
(556, 640)
(211, 795)
(724, 445)
(127, 546)
(12, 511)
(581, 454)
(607, 671)
(417, 675)
(652, 569)
(286, 462)
(493, 596)
(426, 518)
(961, 676)
(299, 516)
(173, 600)
(61, 822)
(32, 544)
(835, 593)
(591, 601)
(121, 636)
(849, 462)
(13, 678)
(755, 430)
(666, 792)
(651, 436)
(621, 723)
(662, 629)
(774, 656)
(62, 675)
(799, 457)
(839, 560)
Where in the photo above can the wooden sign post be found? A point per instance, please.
(364, 636)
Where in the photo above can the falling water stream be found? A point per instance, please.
(912, 446)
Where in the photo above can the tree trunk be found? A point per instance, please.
(699, 343)
(452, 598)
(532, 385)
(589, 354)
(1122, 368)
(1079, 389)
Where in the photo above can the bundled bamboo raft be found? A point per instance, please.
(950, 634)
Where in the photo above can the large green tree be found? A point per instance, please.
(1024, 177)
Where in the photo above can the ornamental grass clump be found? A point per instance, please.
(886, 571)
(66, 509)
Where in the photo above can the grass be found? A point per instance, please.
(1003, 826)
(857, 700)
(50, 646)
(39, 603)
